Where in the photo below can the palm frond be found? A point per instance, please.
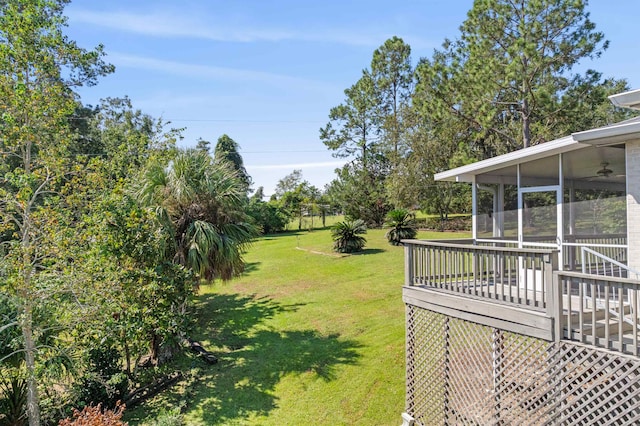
(402, 224)
(346, 236)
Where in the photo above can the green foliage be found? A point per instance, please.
(296, 197)
(360, 193)
(227, 151)
(393, 78)
(39, 69)
(354, 125)
(203, 145)
(167, 417)
(347, 236)
(269, 217)
(402, 226)
(202, 206)
(146, 294)
(104, 381)
(505, 75)
(119, 140)
(289, 183)
(13, 401)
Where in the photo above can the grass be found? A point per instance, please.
(302, 337)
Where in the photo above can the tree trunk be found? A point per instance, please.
(154, 348)
(526, 124)
(33, 401)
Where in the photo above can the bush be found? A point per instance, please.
(346, 236)
(458, 223)
(402, 226)
(13, 401)
(169, 418)
(104, 382)
(269, 217)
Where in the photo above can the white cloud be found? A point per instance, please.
(212, 72)
(172, 24)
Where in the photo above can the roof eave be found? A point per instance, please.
(610, 134)
(630, 99)
(466, 173)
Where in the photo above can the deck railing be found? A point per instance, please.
(613, 246)
(509, 275)
(599, 310)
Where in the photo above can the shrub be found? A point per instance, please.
(402, 226)
(456, 223)
(104, 381)
(346, 236)
(169, 418)
(269, 217)
(13, 401)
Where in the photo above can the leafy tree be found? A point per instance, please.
(361, 192)
(259, 194)
(39, 67)
(402, 226)
(354, 128)
(145, 295)
(301, 201)
(435, 144)
(227, 151)
(203, 145)
(347, 236)
(504, 75)
(586, 104)
(289, 183)
(392, 75)
(125, 139)
(202, 205)
(269, 217)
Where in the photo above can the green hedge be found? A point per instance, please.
(457, 223)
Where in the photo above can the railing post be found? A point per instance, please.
(558, 310)
(553, 292)
(408, 264)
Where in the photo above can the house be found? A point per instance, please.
(534, 320)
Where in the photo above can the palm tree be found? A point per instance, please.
(201, 204)
(402, 226)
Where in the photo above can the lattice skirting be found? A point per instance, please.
(459, 372)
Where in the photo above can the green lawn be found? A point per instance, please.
(302, 337)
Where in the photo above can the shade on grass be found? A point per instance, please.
(303, 338)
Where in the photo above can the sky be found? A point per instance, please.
(267, 72)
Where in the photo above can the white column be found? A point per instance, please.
(560, 213)
(474, 210)
(520, 211)
(500, 210)
(633, 203)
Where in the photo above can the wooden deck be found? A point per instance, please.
(521, 291)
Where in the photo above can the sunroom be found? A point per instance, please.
(569, 207)
(535, 318)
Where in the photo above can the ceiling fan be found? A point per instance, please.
(604, 171)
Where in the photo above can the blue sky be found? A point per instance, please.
(267, 72)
